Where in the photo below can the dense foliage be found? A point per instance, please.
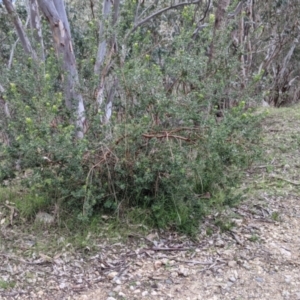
(182, 125)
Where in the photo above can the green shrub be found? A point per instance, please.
(163, 158)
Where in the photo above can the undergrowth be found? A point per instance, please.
(171, 152)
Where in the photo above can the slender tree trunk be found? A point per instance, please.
(36, 26)
(220, 13)
(55, 13)
(106, 83)
(19, 29)
(107, 5)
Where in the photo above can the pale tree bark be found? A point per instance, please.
(108, 84)
(19, 29)
(105, 82)
(36, 26)
(55, 13)
(106, 11)
(4, 106)
(4, 103)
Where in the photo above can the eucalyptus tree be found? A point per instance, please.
(56, 15)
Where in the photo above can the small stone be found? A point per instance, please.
(232, 264)
(145, 293)
(246, 266)
(183, 271)
(285, 252)
(169, 281)
(259, 279)
(160, 286)
(111, 298)
(157, 264)
(152, 236)
(288, 279)
(44, 218)
(285, 293)
(112, 275)
(137, 291)
(228, 285)
(122, 295)
(232, 279)
(219, 243)
(153, 293)
(63, 285)
(117, 288)
(118, 281)
(174, 274)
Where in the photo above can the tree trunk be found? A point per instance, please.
(19, 28)
(36, 26)
(106, 84)
(55, 13)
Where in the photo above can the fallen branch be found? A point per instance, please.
(287, 180)
(166, 135)
(194, 262)
(168, 249)
(13, 294)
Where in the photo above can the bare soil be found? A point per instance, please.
(257, 258)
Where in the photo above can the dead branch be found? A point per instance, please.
(169, 249)
(286, 180)
(166, 135)
(157, 13)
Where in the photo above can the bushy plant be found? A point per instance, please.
(164, 154)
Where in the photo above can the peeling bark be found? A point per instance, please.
(36, 26)
(106, 84)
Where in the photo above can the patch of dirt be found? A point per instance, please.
(258, 258)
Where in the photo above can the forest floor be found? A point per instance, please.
(254, 254)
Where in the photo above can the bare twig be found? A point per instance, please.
(166, 135)
(13, 294)
(194, 262)
(199, 25)
(168, 249)
(157, 13)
